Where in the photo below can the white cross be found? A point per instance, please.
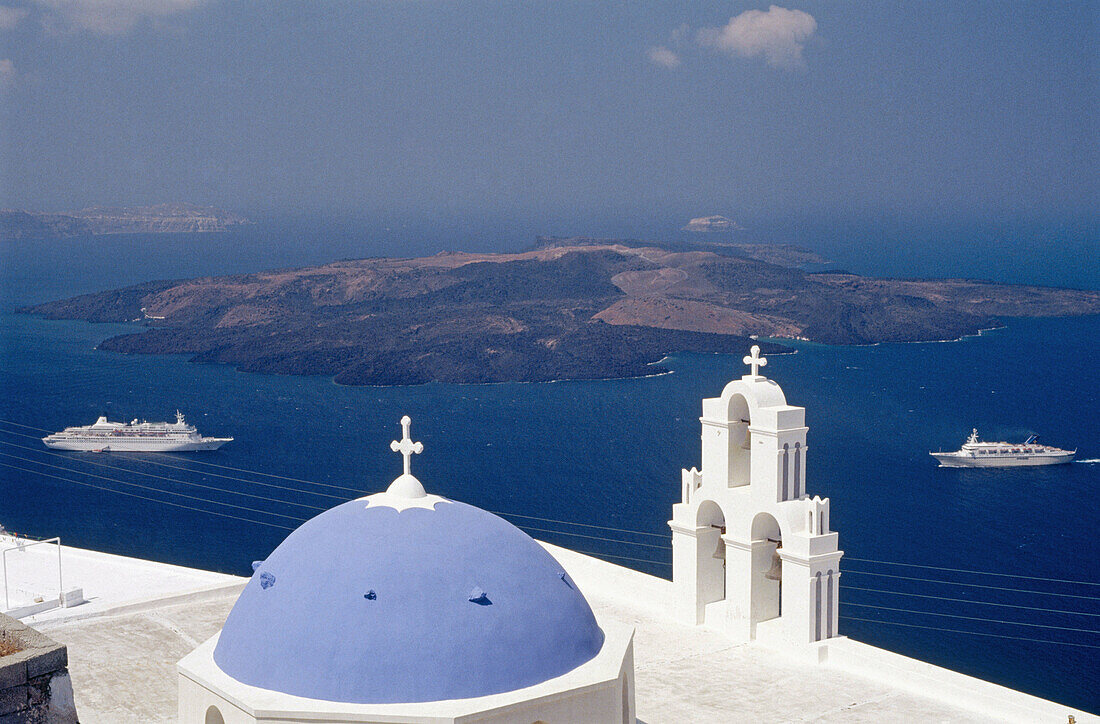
(754, 360)
(406, 446)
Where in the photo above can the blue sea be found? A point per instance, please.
(992, 573)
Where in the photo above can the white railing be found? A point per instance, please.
(21, 545)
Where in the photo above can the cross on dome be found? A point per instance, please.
(754, 360)
(406, 446)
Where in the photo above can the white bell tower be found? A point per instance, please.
(752, 553)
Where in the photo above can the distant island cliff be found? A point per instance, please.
(569, 309)
(96, 220)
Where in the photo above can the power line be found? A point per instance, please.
(151, 475)
(256, 472)
(970, 633)
(981, 573)
(625, 558)
(972, 618)
(584, 525)
(178, 467)
(174, 467)
(29, 427)
(591, 537)
(276, 500)
(258, 522)
(21, 434)
(967, 600)
(142, 497)
(976, 585)
(157, 490)
(527, 517)
(215, 502)
(273, 475)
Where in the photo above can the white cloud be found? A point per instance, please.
(10, 17)
(108, 17)
(7, 74)
(663, 57)
(778, 34)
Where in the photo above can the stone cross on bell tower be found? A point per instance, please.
(755, 361)
(752, 553)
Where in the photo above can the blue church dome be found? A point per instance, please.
(406, 597)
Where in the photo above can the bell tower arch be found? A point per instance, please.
(745, 526)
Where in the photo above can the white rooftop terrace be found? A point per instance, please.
(143, 617)
(31, 580)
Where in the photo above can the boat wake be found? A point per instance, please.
(1091, 461)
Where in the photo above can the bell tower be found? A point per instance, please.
(752, 552)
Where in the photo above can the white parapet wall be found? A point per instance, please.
(685, 673)
(607, 580)
(968, 692)
(600, 579)
(45, 582)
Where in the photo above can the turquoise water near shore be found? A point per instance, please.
(602, 453)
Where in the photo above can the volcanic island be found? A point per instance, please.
(569, 308)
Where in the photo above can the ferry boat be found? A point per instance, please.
(104, 436)
(978, 454)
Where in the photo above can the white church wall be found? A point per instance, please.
(202, 706)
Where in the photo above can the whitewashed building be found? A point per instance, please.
(409, 607)
(752, 551)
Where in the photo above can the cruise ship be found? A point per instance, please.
(977, 454)
(104, 436)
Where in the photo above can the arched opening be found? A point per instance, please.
(740, 440)
(767, 568)
(817, 606)
(798, 470)
(711, 552)
(786, 471)
(213, 716)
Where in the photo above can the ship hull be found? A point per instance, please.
(124, 445)
(954, 460)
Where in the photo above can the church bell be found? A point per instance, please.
(775, 573)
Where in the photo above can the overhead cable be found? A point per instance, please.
(846, 587)
(151, 475)
(980, 573)
(975, 585)
(971, 633)
(157, 490)
(972, 618)
(142, 497)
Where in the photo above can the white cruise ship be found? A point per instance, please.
(977, 454)
(136, 436)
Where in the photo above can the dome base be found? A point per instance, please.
(600, 691)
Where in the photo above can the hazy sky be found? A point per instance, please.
(520, 107)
